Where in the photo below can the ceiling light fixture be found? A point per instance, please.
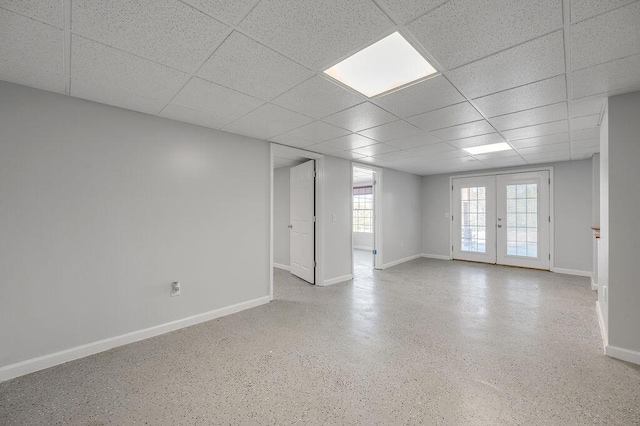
(389, 63)
(486, 149)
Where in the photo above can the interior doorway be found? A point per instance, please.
(365, 219)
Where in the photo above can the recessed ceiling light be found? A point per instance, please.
(385, 65)
(485, 149)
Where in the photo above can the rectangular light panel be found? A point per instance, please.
(486, 149)
(385, 65)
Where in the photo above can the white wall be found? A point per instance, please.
(572, 215)
(603, 247)
(281, 184)
(102, 208)
(363, 240)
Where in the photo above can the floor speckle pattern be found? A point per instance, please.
(425, 342)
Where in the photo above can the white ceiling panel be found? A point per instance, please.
(589, 143)
(415, 141)
(267, 121)
(114, 96)
(500, 155)
(593, 133)
(477, 140)
(230, 11)
(315, 33)
(587, 106)
(612, 78)
(165, 31)
(287, 139)
(188, 115)
(372, 150)
(583, 9)
(586, 122)
(318, 131)
(543, 140)
(545, 149)
(427, 95)
(405, 11)
(538, 130)
(46, 11)
(430, 150)
(449, 116)
(27, 75)
(550, 157)
(545, 92)
(505, 162)
(123, 72)
(265, 73)
(360, 117)
(324, 148)
(318, 98)
(214, 99)
(395, 156)
(351, 141)
(606, 37)
(531, 117)
(391, 131)
(475, 128)
(461, 31)
(535, 60)
(349, 155)
(583, 154)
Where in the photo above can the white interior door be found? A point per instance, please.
(302, 226)
(474, 216)
(523, 220)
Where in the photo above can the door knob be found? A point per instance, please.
(290, 226)
(499, 226)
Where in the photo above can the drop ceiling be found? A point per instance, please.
(533, 73)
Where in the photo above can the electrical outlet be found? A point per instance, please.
(175, 288)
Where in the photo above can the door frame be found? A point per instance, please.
(508, 172)
(377, 212)
(319, 200)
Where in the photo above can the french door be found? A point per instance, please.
(503, 219)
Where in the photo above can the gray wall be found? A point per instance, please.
(363, 240)
(624, 233)
(572, 215)
(281, 194)
(102, 208)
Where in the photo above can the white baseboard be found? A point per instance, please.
(363, 248)
(46, 361)
(399, 261)
(623, 354)
(572, 272)
(594, 285)
(603, 330)
(337, 280)
(281, 266)
(436, 256)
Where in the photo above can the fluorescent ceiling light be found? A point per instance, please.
(485, 149)
(385, 65)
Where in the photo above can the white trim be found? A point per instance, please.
(377, 213)
(35, 364)
(623, 354)
(338, 280)
(271, 219)
(594, 286)
(436, 256)
(603, 330)
(572, 272)
(281, 266)
(362, 247)
(399, 261)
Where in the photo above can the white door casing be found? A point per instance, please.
(302, 217)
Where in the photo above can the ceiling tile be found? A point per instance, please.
(32, 77)
(318, 131)
(461, 31)
(531, 117)
(542, 140)
(166, 31)
(425, 96)
(553, 128)
(589, 143)
(349, 142)
(123, 72)
(249, 67)
(477, 140)
(608, 79)
(415, 141)
(114, 96)
(553, 157)
(587, 106)
(545, 92)
(501, 155)
(231, 11)
(583, 9)
(287, 139)
(188, 115)
(586, 122)
(446, 117)
(407, 10)
(324, 148)
(318, 98)
(593, 133)
(504, 162)
(583, 153)
(215, 100)
(46, 11)
(542, 149)
(395, 156)
(349, 155)
(474, 128)
(431, 150)
(535, 60)
(604, 38)
(29, 43)
(360, 117)
(267, 121)
(391, 131)
(315, 33)
(372, 150)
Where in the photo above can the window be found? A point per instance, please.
(363, 209)
(472, 213)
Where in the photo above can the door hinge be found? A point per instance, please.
(314, 219)
(549, 256)
(375, 182)
(375, 252)
(549, 181)
(314, 174)
(452, 187)
(451, 248)
(315, 263)
(549, 219)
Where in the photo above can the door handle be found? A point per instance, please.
(499, 226)
(290, 226)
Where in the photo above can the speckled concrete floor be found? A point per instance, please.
(427, 341)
